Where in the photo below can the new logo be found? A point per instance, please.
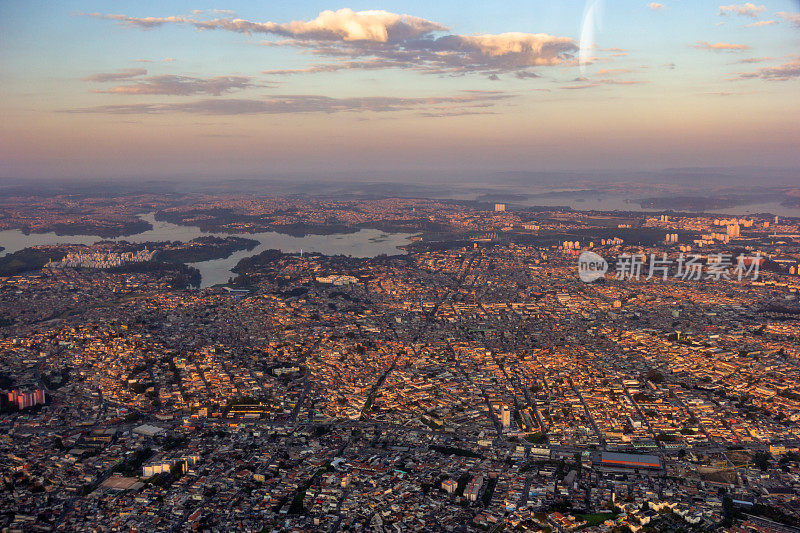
(591, 266)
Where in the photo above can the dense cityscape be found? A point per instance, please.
(470, 382)
(399, 266)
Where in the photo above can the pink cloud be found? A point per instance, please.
(717, 47)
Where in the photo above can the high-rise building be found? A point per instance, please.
(23, 400)
(499, 207)
(473, 488)
(505, 415)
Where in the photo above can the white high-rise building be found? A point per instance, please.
(505, 415)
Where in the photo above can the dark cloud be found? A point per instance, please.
(123, 74)
(182, 85)
(785, 72)
(284, 104)
(372, 64)
(141, 22)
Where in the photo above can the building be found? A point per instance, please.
(337, 280)
(499, 207)
(473, 488)
(505, 416)
(539, 452)
(161, 466)
(23, 400)
(148, 431)
(628, 460)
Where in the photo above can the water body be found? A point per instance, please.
(364, 243)
(591, 202)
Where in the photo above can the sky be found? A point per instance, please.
(93, 89)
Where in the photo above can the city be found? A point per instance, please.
(399, 266)
(458, 386)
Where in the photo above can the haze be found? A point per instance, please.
(115, 89)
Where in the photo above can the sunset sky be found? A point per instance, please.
(146, 88)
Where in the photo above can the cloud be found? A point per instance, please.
(291, 104)
(503, 51)
(622, 82)
(655, 6)
(144, 22)
(459, 54)
(585, 83)
(756, 59)
(371, 64)
(579, 86)
(123, 74)
(449, 54)
(718, 47)
(761, 23)
(442, 114)
(794, 18)
(613, 71)
(342, 25)
(784, 72)
(742, 10)
(182, 85)
(228, 12)
(380, 39)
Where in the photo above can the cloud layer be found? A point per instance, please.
(181, 85)
(467, 102)
(380, 39)
(342, 25)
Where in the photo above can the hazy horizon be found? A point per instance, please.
(233, 90)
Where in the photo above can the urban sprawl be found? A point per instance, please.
(472, 382)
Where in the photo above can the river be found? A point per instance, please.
(364, 243)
